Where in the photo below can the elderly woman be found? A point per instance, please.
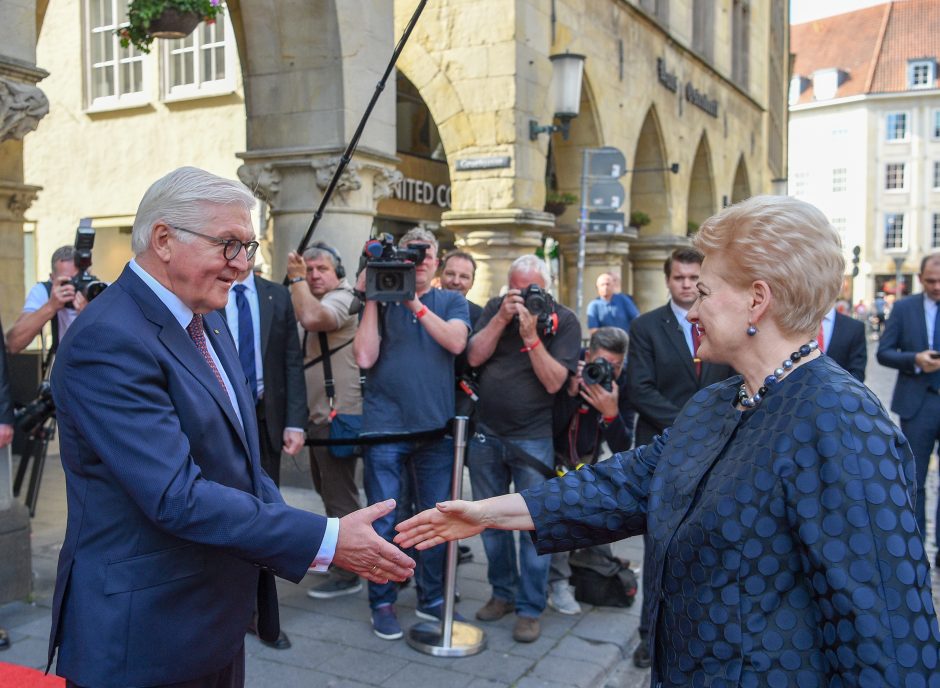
(786, 545)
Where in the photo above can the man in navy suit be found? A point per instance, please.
(174, 532)
(911, 343)
(843, 340)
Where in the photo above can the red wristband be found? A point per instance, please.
(423, 312)
(609, 420)
(529, 347)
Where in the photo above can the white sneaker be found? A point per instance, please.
(561, 598)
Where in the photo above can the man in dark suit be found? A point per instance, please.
(174, 532)
(911, 344)
(261, 319)
(662, 375)
(842, 339)
(6, 430)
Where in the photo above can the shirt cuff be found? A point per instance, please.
(300, 430)
(327, 546)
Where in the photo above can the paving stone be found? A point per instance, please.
(570, 672)
(601, 653)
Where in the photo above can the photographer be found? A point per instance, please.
(408, 350)
(527, 346)
(588, 412)
(55, 300)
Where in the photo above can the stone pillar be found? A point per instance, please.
(647, 256)
(495, 239)
(602, 253)
(292, 183)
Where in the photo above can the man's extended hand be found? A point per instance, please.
(293, 441)
(360, 549)
(6, 432)
(454, 520)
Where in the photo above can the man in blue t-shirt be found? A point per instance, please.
(610, 308)
(407, 351)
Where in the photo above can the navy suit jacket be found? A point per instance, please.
(170, 517)
(905, 336)
(786, 552)
(6, 395)
(848, 346)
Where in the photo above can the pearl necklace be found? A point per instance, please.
(771, 380)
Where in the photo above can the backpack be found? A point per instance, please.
(601, 579)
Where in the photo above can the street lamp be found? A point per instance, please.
(898, 256)
(567, 72)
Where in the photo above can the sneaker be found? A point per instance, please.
(495, 609)
(335, 587)
(385, 623)
(527, 630)
(434, 613)
(561, 598)
(641, 656)
(464, 554)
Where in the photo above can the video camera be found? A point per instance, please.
(541, 304)
(599, 372)
(390, 270)
(36, 412)
(84, 282)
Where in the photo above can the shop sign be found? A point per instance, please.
(700, 100)
(422, 192)
(491, 162)
(666, 78)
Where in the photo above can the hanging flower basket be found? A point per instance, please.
(556, 203)
(149, 19)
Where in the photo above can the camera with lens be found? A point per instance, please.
(541, 304)
(36, 412)
(390, 269)
(599, 372)
(84, 282)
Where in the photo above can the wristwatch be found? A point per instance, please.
(295, 280)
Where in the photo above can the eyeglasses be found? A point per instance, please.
(231, 247)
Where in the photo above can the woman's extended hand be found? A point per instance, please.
(448, 521)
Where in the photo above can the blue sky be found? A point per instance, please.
(808, 10)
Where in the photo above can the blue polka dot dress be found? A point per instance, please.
(786, 546)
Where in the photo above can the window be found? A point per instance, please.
(894, 176)
(839, 179)
(114, 76)
(838, 224)
(935, 231)
(936, 175)
(798, 84)
(894, 231)
(921, 74)
(826, 83)
(740, 42)
(800, 183)
(936, 124)
(703, 27)
(896, 129)
(201, 64)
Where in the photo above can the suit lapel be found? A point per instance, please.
(676, 338)
(921, 324)
(266, 309)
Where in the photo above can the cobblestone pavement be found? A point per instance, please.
(332, 640)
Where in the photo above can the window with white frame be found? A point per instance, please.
(894, 176)
(896, 126)
(201, 64)
(839, 224)
(921, 74)
(800, 183)
(114, 76)
(935, 131)
(894, 231)
(935, 231)
(839, 179)
(936, 175)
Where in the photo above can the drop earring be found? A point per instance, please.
(751, 330)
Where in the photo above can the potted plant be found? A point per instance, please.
(556, 202)
(639, 219)
(149, 19)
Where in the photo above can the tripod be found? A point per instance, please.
(37, 444)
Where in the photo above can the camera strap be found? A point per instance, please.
(328, 381)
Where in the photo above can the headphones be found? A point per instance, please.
(339, 269)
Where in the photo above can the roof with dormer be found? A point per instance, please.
(872, 47)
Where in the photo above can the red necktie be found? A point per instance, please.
(198, 334)
(695, 358)
(821, 340)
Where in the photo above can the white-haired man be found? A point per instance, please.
(526, 343)
(174, 531)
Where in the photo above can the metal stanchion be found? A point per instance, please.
(449, 638)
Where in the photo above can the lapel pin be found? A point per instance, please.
(215, 330)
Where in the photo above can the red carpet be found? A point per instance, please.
(15, 676)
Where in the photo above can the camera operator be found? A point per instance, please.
(588, 412)
(527, 346)
(55, 300)
(321, 296)
(408, 350)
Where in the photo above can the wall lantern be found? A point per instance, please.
(567, 71)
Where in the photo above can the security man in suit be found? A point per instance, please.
(662, 375)
(174, 532)
(842, 339)
(261, 320)
(911, 344)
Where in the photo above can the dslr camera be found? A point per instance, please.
(390, 270)
(35, 413)
(541, 304)
(599, 372)
(84, 282)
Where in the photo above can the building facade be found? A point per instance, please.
(865, 137)
(273, 92)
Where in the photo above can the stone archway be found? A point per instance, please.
(701, 203)
(649, 190)
(741, 187)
